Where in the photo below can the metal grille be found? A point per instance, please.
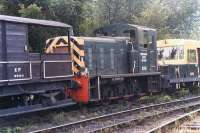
(112, 58)
(102, 58)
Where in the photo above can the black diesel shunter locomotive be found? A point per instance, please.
(73, 69)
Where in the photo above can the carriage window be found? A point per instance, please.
(133, 36)
(192, 55)
(171, 53)
(151, 39)
(160, 53)
(181, 52)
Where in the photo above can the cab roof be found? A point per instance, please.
(120, 29)
(30, 21)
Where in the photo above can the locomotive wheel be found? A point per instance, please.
(49, 98)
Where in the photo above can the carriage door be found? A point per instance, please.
(15, 55)
(198, 53)
(1, 53)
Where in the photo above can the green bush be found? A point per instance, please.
(146, 99)
(165, 98)
(58, 117)
(11, 130)
(195, 90)
(155, 98)
(183, 92)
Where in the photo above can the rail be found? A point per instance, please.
(174, 121)
(120, 114)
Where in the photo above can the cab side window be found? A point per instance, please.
(133, 36)
(145, 39)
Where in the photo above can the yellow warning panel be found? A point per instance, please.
(75, 48)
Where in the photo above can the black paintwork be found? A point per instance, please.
(175, 74)
(110, 59)
(112, 55)
(17, 63)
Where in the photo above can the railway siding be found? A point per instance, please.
(117, 121)
(176, 125)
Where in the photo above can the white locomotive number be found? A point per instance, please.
(144, 58)
(17, 69)
(17, 72)
(191, 73)
(144, 68)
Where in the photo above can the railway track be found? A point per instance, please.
(113, 121)
(189, 122)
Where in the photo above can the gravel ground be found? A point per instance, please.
(143, 127)
(49, 118)
(149, 124)
(156, 122)
(184, 128)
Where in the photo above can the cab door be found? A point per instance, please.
(14, 63)
(198, 55)
(143, 50)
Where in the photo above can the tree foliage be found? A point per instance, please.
(32, 11)
(171, 18)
